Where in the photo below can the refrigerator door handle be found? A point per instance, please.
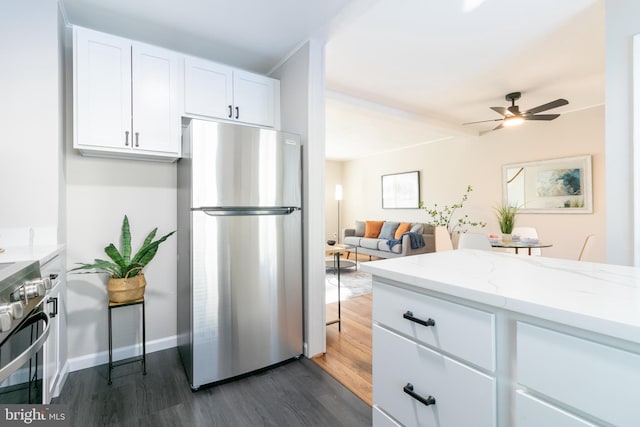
(235, 211)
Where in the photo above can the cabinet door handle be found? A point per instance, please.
(137, 137)
(409, 316)
(429, 400)
(230, 112)
(126, 138)
(237, 112)
(54, 313)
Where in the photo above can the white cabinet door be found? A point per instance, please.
(532, 412)
(208, 89)
(254, 98)
(156, 115)
(126, 98)
(595, 378)
(53, 306)
(218, 91)
(102, 90)
(52, 345)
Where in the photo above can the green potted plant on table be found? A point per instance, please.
(126, 281)
(506, 216)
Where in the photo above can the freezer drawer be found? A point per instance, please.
(246, 294)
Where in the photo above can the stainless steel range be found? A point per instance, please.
(24, 327)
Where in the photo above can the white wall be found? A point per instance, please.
(30, 119)
(622, 23)
(447, 167)
(302, 111)
(99, 193)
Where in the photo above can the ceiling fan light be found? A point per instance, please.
(513, 121)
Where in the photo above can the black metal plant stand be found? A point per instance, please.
(143, 357)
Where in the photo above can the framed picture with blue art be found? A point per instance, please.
(401, 190)
(549, 186)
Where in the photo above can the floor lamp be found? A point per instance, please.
(338, 198)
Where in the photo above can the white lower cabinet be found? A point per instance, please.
(424, 363)
(421, 387)
(456, 362)
(380, 419)
(587, 377)
(53, 346)
(532, 412)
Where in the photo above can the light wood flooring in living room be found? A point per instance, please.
(348, 356)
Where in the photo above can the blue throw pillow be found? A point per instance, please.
(388, 230)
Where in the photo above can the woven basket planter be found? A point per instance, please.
(126, 290)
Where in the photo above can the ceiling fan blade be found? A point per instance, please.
(542, 117)
(502, 110)
(482, 121)
(548, 106)
(500, 126)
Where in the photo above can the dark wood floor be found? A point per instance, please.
(298, 393)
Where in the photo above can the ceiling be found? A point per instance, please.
(398, 73)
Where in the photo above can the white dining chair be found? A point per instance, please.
(587, 248)
(474, 241)
(529, 232)
(443, 239)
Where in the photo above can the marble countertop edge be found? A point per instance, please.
(600, 298)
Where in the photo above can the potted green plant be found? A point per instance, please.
(506, 216)
(126, 281)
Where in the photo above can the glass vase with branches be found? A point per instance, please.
(444, 216)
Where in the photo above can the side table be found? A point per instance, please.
(143, 357)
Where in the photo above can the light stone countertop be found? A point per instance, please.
(601, 298)
(42, 253)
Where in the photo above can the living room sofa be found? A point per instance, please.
(362, 237)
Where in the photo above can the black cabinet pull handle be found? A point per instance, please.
(409, 316)
(430, 400)
(230, 111)
(54, 313)
(53, 276)
(137, 137)
(126, 138)
(237, 112)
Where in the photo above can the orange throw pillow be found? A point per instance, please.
(372, 229)
(402, 228)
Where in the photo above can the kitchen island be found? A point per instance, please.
(490, 339)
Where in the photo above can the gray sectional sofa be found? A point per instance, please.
(378, 246)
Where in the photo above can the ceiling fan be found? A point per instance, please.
(513, 116)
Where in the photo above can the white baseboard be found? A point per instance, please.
(62, 378)
(95, 359)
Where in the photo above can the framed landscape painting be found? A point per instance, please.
(401, 190)
(549, 186)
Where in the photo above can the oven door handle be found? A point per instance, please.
(16, 363)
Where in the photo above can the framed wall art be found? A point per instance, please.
(401, 190)
(549, 186)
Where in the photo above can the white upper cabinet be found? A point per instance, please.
(208, 88)
(218, 91)
(254, 98)
(126, 98)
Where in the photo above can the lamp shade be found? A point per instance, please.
(338, 192)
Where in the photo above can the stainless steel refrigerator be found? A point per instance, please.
(239, 288)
